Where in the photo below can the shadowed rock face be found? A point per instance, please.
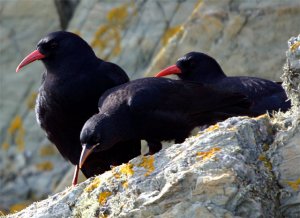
(247, 38)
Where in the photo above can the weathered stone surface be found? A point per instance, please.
(239, 34)
(285, 152)
(30, 167)
(220, 172)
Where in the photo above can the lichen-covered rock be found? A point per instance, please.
(220, 172)
(285, 152)
(30, 167)
(238, 34)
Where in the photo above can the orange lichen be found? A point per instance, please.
(96, 182)
(169, 33)
(47, 150)
(5, 146)
(19, 206)
(127, 169)
(295, 46)
(105, 36)
(44, 166)
(31, 100)
(15, 124)
(117, 15)
(294, 184)
(212, 128)
(103, 197)
(208, 154)
(148, 164)
(125, 184)
(19, 139)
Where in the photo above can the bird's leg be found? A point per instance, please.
(75, 177)
(154, 147)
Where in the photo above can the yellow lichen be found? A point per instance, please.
(103, 197)
(169, 33)
(47, 150)
(127, 169)
(44, 166)
(212, 128)
(19, 139)
(19, 206)
(266, 161)
(208, 154)
(105, 36)
(117, 15)
(96, 182)
(148, 164)
(5, 145)
(294, 184)
(15, 124)
(117, 175)
(295, 46)
(125, 184)
(31, 100)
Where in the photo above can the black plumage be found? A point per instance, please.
(156, 109)
(265, 95)
(71, 86)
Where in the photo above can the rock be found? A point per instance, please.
(217, 173)
(23, 23)
(285, 152)
(238, 34)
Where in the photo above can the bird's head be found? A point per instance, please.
(194, 66)
(99, 133)
(57, 47)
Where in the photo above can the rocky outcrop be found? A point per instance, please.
(244, 167)
(220, 172)
(247, 38)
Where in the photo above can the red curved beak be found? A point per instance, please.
(168, 71)
(33, 56)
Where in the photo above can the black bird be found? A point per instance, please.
(156, 109)
(264, 95)
(71, 86)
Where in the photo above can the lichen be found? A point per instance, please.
(47, 150)
(5, 145)
(212, 128)
(127, 169)
(208, 154)
(294, 184)
(125, 184)
(19, 206)
(96, 182)
(266, 161)
(169, 33)
(117, 15)
(44, 166)
(103, 197)
(19, 139)
(15, 125)
(148, 163)
(31, 100)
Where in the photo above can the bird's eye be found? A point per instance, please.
(53, 45)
